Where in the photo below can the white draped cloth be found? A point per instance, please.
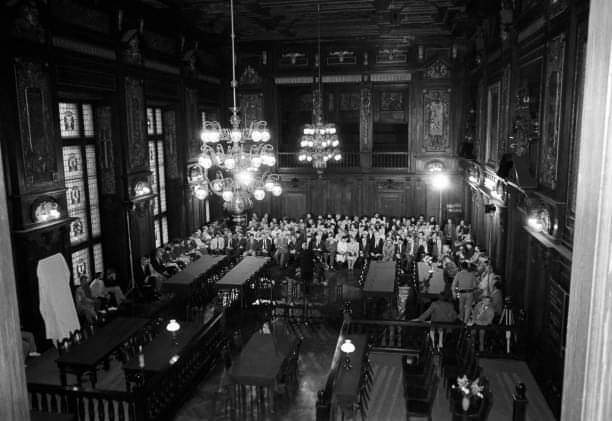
(56, 304)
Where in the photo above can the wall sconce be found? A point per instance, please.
(45, 210)
(539, 220)
(141, 188)
(348, 347)
(421, 52)
(454, 51)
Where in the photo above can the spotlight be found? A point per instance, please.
(440, 181)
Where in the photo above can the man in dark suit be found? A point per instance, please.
(252, 245)
(306, 262)
(266, 245)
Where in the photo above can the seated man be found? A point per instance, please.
(111, 286)
(440, 311)
(482, 315)
(28, 345)
(85, 306)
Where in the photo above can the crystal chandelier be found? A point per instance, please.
(243, 163)
(319, 141)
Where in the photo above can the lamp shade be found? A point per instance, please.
(347, 346)
(173, 326)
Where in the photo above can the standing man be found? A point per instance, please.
(464, 285)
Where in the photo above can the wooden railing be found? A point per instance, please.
(390, 159)
(408, 336)
(155, 401)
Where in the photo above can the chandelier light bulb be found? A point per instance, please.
(269, 185)
(335, 143)
(337, 157)
(271, 160)
(265, 135)
(257, 136)
(230, 163)
(256, 161)
(244, 177)
(259, 194)
(236, 135)
(200, 192)
(309, 158)
(277, 190)
(205, 161)
(217, 185)
(227, 195)
(301, 157)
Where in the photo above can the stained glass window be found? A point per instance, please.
(77, 129)
(158, 174)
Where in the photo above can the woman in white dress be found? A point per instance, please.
(352, 252)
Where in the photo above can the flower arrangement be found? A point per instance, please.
(469, 389)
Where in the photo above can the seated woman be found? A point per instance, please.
(440, 311)
(342, 249)
(352, 253)
(388, 251)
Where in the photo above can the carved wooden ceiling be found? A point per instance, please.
(405, 21)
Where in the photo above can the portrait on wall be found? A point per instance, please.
(493, 114)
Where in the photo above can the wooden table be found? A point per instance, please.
(348, 382)
(380, 282)
(259, 366)
(85, 357)
(161, 353)
(193, 271)
(241, 273)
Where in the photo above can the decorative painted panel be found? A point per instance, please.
(436, 103)
(170, 144)
(105, 146)
(437, 70)
(69, 120)
(251, 107)
(553, 92)
(135, 114)
(391, 56)
(39, 145)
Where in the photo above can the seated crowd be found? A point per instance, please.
(335, 241)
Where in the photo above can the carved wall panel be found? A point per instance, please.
(436, 108)
(574, 152)
(365, 119)
(106, 161)
(251, 107)
(135, 114)
(191, 103)
(169, 119)
(504, 129)
(39, 144)
(553, 92)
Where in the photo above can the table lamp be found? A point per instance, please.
(173, 327)
(348, 348)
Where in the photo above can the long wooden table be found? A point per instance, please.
(86, 357)
(348, 381)
(162, 352)
(258, 368)
(242, 272)
(193, 271)
(380, 282)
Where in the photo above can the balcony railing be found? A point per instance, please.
(351, 160)
(290, 160)
(390, 159)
